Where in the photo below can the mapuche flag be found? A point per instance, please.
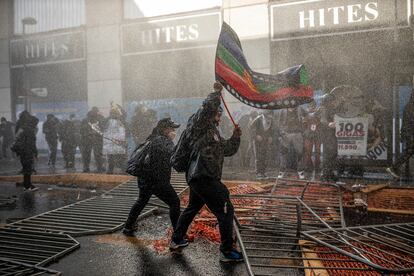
(288, 88)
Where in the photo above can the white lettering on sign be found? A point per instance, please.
(170, 34)
(45, 49)
(335, 15)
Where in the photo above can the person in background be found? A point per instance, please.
(50, 130)
(70, 137)
(263, 130)
(407, 136)
(157, 180)
(143, 121)
(312, 139)
(92, 139)
(7, 133)
(114, 144)
(204, 176)
(331, 105)
(291, 140)
(25, 146)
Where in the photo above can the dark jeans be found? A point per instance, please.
(52, 143)
(87, 148)
(215, 195)
(163, 191)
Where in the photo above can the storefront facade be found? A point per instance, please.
(363, 43)
(163, 57)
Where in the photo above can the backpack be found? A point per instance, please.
(139, 162)
(180, 158)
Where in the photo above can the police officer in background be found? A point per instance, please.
(6, 131)
(92, 139)
(70, 138)
(25, 146)
(157, 181)
(50, 130)
(204, 176)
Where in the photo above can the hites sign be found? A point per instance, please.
(47, 49)
(300, 19)
(170, 34)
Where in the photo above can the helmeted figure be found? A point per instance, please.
(50, 130)
(204, 175)
(6, 132)
(25, 146)
(92, 139)
(142, 123)
(69, 135)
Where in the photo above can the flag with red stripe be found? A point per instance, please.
(288, 88)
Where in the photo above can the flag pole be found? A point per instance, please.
(228, 111)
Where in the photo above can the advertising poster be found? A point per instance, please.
(352, 134)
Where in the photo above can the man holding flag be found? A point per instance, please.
(204, 176)
(207, 148)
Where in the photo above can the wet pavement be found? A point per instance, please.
(116, 254)
(47, 198)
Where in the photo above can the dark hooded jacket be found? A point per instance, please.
(161, 149)
(208, 147)
(25, 143)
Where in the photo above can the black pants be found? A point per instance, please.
(330, 152)
(261, 150)
(5, 146)
(27, 161)
(52, 143)
(96, 146)
(68, 152)
(163, 191)
(215, 195)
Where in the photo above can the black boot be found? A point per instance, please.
(27, 183)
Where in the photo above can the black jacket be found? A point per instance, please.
(51, 128)
(25, 144)
(160, 152)
(209, 148)
(70, 132)
(88, 135)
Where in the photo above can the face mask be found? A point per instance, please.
(171, 135)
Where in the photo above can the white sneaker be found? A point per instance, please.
(281, 175)
(301, 175)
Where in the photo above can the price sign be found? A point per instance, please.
(352, 135)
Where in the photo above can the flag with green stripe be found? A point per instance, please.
(288, 88)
